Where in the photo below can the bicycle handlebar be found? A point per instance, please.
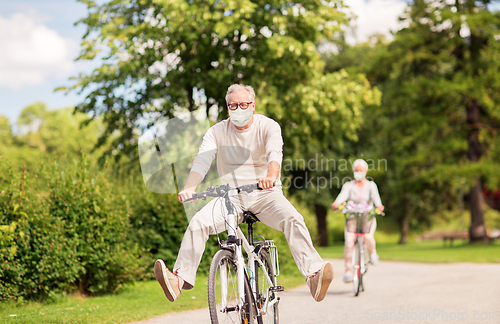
(339, 211)
(222, 190)
(352, 212)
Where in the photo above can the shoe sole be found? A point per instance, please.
(161, 277)
(326, 277)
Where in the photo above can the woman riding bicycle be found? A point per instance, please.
(359, 190)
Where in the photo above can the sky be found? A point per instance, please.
(39, 42)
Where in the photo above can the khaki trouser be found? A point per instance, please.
(349, 239)
(272, 209)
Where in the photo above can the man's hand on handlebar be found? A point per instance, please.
(266, 183)
(187, 193)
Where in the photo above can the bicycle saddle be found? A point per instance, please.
(249, 217)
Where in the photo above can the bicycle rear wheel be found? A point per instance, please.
(223, 296)
(356, 268)
(271, 316)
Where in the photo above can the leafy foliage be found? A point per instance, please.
(96, 225)
(162, 56)
(439, 115)
(70, 235)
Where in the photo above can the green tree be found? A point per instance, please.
(57, 132)
(162, 56)
(440, 84)
(5, 131)
(29, 122)
(12, 150)
(330, 114)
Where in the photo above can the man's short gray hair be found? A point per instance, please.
(237, 87)
(360, 161)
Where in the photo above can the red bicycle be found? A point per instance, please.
(359, 219)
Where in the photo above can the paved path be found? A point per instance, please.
(396, 292)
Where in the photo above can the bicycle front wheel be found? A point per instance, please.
(356, 268)
(267, 301)
(223, 297)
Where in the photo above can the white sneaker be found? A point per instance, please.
(347, 277)
(374, 258)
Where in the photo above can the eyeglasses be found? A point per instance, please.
(242, 105)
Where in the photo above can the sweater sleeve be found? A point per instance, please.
(344, 193)
(375, 196)
(206, 154)
(274, 143)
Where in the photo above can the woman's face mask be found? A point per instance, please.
(241, 117)
(359, 175)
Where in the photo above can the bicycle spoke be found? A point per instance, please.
(223, 291)
(228, 299)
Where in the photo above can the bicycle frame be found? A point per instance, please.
(252, 257)
(359, 265)
(360, 239)
(241, 244)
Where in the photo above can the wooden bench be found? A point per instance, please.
(451, 236)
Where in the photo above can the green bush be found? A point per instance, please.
(32, 258)
(12, 224)
(95, 222)
(70, 234)
(158, 224)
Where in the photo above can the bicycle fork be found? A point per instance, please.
(241, 275)
(232, 236)
(364, 266)
(361, 245)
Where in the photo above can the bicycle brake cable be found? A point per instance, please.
(213, 219)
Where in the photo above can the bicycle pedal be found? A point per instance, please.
(277, 288)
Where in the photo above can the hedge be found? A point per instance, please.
(63, 232)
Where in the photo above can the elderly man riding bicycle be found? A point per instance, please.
(260, 136)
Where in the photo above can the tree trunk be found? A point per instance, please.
(405, 228)
(477, 230)
(322, 228)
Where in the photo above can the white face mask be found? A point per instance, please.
(241, 117)
(359, 175)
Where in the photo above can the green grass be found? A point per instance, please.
(145, 299)
(429, 252)
(139, 301)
